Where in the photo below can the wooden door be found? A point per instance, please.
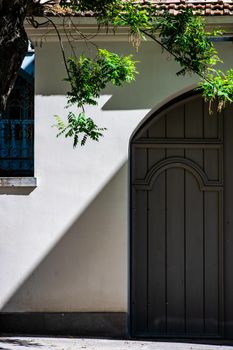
(177, 256)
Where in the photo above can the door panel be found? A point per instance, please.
(156, 257)
(211, 267)
(194, 257)
(175, 250)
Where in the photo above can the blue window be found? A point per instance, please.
(17, 125)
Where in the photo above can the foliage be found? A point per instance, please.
(184, 36)
(219, 86)
(87, 77)
(79, 127)
(136, 16)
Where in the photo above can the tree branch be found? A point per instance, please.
(13, 45)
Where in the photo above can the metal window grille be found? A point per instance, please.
(17, 130)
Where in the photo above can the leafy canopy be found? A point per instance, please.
(183, 36)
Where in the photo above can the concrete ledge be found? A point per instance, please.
(18, 182)
(90, 324)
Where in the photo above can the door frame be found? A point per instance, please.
(153, 117)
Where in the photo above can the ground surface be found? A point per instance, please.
(26, 343)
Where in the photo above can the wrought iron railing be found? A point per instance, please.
(16, 147)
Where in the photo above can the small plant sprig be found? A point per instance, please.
(87, 78)
(79, 127)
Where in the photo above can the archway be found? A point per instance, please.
(181, 256)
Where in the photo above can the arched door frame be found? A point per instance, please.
(152, 118)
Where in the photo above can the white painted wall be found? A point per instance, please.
(64, 246)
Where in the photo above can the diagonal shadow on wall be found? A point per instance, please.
(87, 269)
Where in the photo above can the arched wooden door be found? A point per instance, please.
(181, 258)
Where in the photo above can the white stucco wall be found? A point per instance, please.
(64, 246)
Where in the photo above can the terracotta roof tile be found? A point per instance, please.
(202, 7)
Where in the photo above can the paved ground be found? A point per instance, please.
(27, 343)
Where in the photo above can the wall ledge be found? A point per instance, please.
(18, 182)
